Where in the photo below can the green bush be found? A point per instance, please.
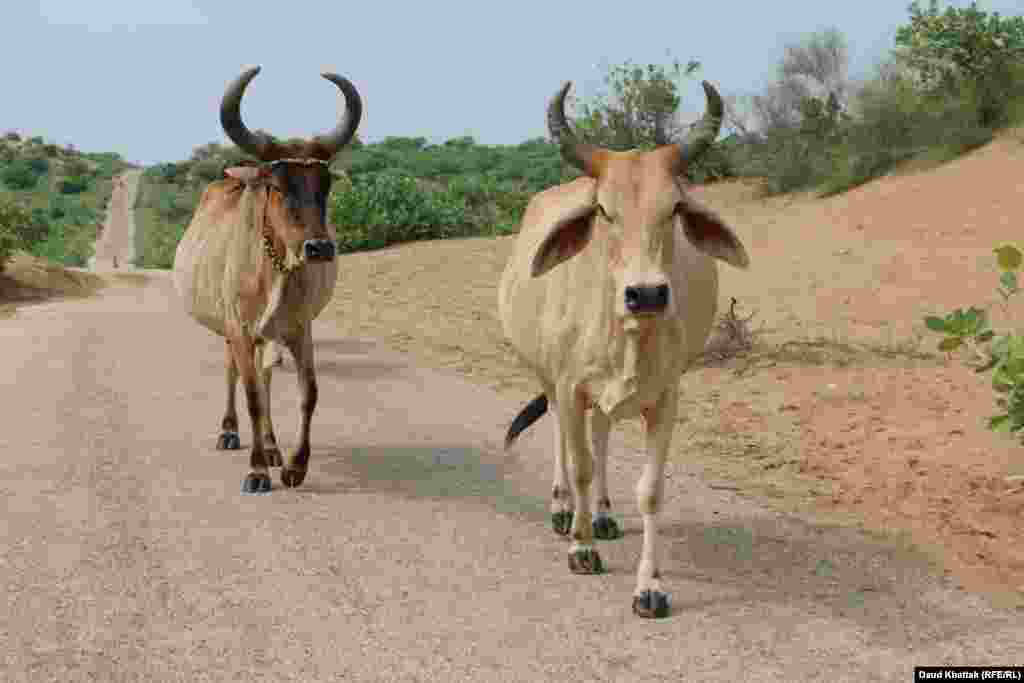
(159, 246)
(1004, 356)
(385, 208)
(949, 49)
(28, 227)
(19, 175)
(73, 185)
(12, 219)
(39, 165)
(208, 170)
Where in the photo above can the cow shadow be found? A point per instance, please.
(427, 472)
(352, 369)
(882, 583)
(345, 346)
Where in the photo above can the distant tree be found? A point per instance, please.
(813, 80)
(947, 51)
(638, 109)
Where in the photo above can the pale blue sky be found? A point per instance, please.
(145, 78)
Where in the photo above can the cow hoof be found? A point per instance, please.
(606, 529)
(256, 483)
(561, 522)
(585, 561)
(228, 441)
(273, 456)
(292, 477)
(650, 605)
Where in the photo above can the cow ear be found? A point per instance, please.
(710, 234)
(246, 174)
(563, 242)
(558, 221)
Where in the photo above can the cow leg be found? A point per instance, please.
(649, 600)
(263, 360)
(294, 471)
(276, 357)
(244, 352)
(571, 411)
(228, 439)
(605, 526)
(561, 492)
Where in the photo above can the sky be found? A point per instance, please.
(144, 79)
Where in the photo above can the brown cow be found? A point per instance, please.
(256, 266)
(608, 297)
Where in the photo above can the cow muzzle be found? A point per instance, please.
(649, 299)
(318, 251)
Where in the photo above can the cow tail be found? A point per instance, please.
(533, 411)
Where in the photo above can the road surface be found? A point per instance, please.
(414, 551)
(115, 249)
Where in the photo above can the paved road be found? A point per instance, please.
(414, 551)
(115, 249)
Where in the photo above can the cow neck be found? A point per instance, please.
(268, 242)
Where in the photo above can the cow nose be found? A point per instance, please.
(318, 250)
(646, 298)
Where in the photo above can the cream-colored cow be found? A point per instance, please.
(256, 266)
(608, 297)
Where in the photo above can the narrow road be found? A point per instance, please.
(415, 551)
(115, 249)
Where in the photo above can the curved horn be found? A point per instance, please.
(704, 131)
(346, 128)
(577, 153)
(231, 118)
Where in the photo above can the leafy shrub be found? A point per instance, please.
(964, 45)
(8, 243)
(208, 170)
(73, 185)
(19, 175)
(159, 246)
(1004, 356)
(77, 167)
(12, 220)
(39, 165)
(385, 208)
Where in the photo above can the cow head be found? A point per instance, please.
(295, 175)
(638, 204)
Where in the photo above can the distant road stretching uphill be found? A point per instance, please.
(115, 248)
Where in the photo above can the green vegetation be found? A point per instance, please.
(393, 191)
(954, 78)
(52, 199)
(969, 329)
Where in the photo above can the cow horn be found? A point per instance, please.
(231, 118)
(346, 128)
(577, 153)
(704, 132)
